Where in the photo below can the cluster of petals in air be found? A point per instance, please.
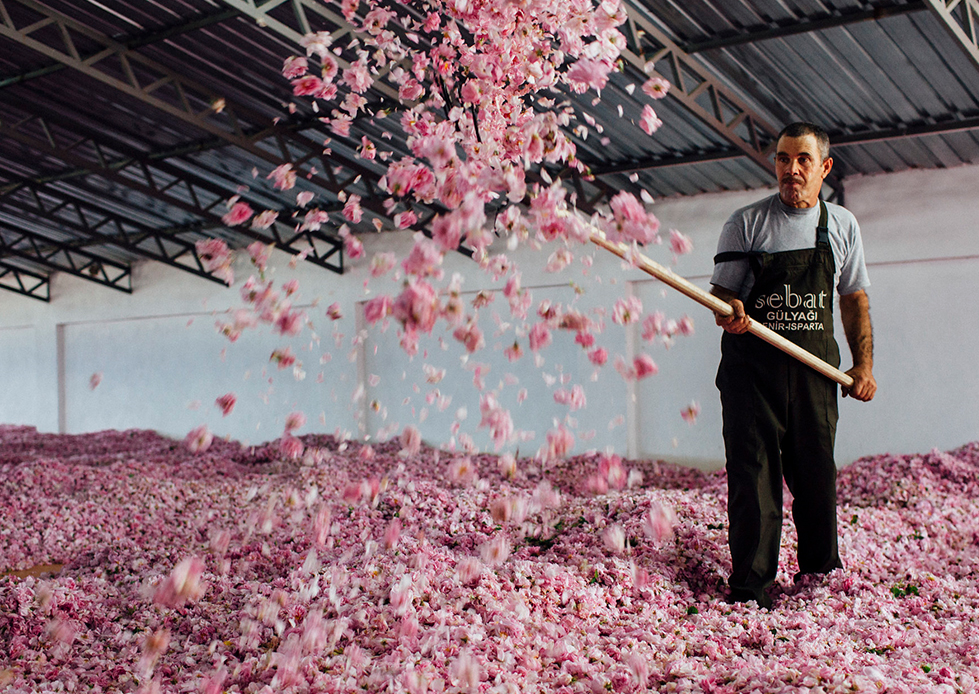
(657, 326)
(629, 221)
(264, 303)
(610, 474)
(182, 585)
(216, 258)
(478, 83)
(481, 113)
(497, 419)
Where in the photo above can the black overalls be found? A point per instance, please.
(780, 418)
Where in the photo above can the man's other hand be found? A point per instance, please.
(855, 314)
(864, 385)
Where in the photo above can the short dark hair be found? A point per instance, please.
(801, 129)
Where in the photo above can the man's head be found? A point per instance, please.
(802, 161)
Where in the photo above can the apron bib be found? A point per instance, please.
(793, 296)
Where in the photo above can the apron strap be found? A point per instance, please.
(822, 230)
(729, 255)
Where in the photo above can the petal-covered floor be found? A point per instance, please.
(131, 563)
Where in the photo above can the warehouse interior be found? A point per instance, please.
(341, 351)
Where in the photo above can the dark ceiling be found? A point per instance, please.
(125, 126)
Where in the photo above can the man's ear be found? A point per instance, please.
(827, 166)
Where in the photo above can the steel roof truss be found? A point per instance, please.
(24, 282)
(147, 185)
(99, 226)
(905, 131)
(838, 140)
(667, 161)
(960, 19)
(71, 154)
(214, 113)
(62, 257)
(697, 89)
(804, 25)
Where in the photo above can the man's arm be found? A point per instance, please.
(855, 313)
(737, 322)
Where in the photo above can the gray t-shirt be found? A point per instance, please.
(771, 226)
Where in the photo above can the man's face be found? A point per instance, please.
(800, 170)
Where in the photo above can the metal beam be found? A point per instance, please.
(21, 281)
(296, 24)
(694, 86)
(960, 18)
(61, 257)
(153, 83)
(776, 30)
(145, 39)
(905, 131)
(837, 194)
(164, 182)
(95, 225)
(666, 162)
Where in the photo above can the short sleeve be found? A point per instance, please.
(853, 272)
(730, 274)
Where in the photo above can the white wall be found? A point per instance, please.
(162, 363)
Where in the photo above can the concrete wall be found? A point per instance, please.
(162, 363)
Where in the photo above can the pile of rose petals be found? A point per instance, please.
(357, 568)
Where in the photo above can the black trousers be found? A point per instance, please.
(779, 422)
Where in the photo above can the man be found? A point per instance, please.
(778, 263)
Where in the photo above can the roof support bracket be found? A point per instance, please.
(690, 81)
(62, 257)
(24, 282)
(960, 18)
(136, 174)
(42, 204)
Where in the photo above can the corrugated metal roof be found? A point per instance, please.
(126, 141)
(860, 77)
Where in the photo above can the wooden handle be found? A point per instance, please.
(719, 306)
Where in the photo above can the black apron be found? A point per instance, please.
(780, 417)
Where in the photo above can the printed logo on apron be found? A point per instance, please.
(787, 310)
